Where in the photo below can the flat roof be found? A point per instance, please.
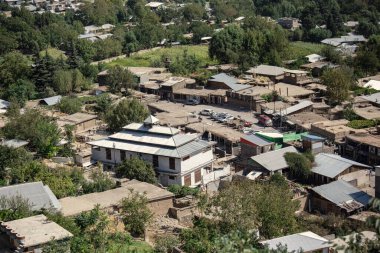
(366, 138)
(254, 91)
(368, 112)
(305, 119)
(290, 90)
(37, 230)
(75, 205)
(220, 131)
(267, 70)
(79, 117)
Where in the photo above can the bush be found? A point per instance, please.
(182, 191)
(299, 164)
(138, 169)
(362, 123)
(70, 105)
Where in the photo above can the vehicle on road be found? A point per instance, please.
(206, 112)
(265, 121)
(192, 102)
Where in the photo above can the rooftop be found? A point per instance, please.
(274, 160)
(343, 195)
(39, 196)
(289, 90)
(254, 91)
(305, 119)
(51, 100)
(374, 98)
(230, 81)
(201, 92)
(266, 70)
(368, 112)
(256, 140)
(330, 165)
(75, 205)
(295, 108)
(14, 143)
(4, 104)
(301, 242)
(366, 138)
(79, 117)
(37, 230)
(222, 132)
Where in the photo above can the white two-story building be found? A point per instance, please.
(177, 158)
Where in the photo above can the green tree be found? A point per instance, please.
(165, 244)
(62, 81)
(119, 79)
(125, 112)
(136, 213)
(300, 166)
(21, 91)
(135, 168)
(70, 105)
(99, 182)
(193, 11)
(14, 66)
(15, 207)
(339, 81)
(107, 48)
(42, 132)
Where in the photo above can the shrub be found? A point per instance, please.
(182, 191)
(362, 123)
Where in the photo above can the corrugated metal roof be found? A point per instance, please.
(52, 100)
(274, 160)
(312, 137)
(179, 152)
(302, 242)
(230, 81)
(39, 196)
(374, 98)
(151, 129)
(256, 140)
(267, 70)
(340, 192)
(330, 165)
(153, 139)
(4, 104)
(295, 108)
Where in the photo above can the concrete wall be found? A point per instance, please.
(84, 126)
(361, 177)
(161, 207)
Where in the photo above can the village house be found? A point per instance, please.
(331, 167)
(332, 130)
(302, 121)
(159, 200)
(39, 196)
(82, 122)
(274, 73)
(305, 242)
(204, 96)
(227, 139)
(296, 77)
(30, 234)
(177, 158)
(50, 101)
(362, 147)
(271, 162)
(339, 197)
(226, 82)
(289, 90)
(250, 98)
(252, 145)
(312, 143)
(289, 23)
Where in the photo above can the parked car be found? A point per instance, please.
(227, 118)
(206, 112)
(265, 121)
(192, 102)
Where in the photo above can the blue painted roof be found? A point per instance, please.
(312, 137)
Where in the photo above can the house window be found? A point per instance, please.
(172, 177)
(155, 161)
(198, 175)
(188, 180)
(172, 163)
(108, 154)
(123, 155)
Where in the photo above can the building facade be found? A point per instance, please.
(177, 158)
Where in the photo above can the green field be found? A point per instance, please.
(300, 49)
(146, 58)
(136, 246)
(54, 53)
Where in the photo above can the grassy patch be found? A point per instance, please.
(146, 58)
(300, 49)
(54, 53)
(136, 246)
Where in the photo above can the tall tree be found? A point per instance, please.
(339, 81)
(135, 168)
(120, 79)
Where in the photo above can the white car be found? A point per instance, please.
(206, 112)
